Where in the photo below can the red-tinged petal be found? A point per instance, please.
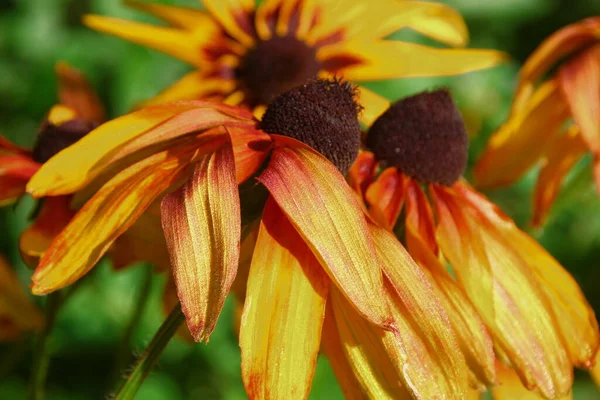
(75, 92)
(250, 148)
(362, 172)
(562, 153)
(510, 387)
(11, 189)
(170, 301)
(283, 314)
(35, 240)
(433, 350)
(235, 16)
(18, 166)
(107, 215)
(319, 203)
(202, 225)
(7, 147)
(419, 221)
(386, 197)
(519, 144)
(574, 317)
(580, 80)
(122, 141)
(297, 18)
(505, 292)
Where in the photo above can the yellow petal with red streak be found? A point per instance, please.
(562, 153)
(362, 172)
(320, 204)
(505, 292)
(283, 314)
(250, 149)
(519, 143)
(74, 91)
(386, 197)
(235, 16)
(510, 387)
(202, 226)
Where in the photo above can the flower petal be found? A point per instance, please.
(18, 166)
(235, 16)
(506, 294)
(283, 313)
(390, 59)
(511, 388)
(11, 189)
(362, 172)
(519, 143)
(188, 18)
(202, 226)
(250, 149)
(117, 143)
(326, 213)
(75, 92)
(595, 371)
(562, 153)
(574, 318)
(374, 105)
(386, 197)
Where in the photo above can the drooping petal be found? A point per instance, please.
(519, 143)
(235, 16)
(510, 387)
(386, 197)
(283, 314)
(192, 19)
(432, 350)
(574, 318)
(579, 80)
(75, 92)
(108, 214)
(324, 210)
(52, 219)
(250, 149)
(11, 189)
(395, 59)
(202, 226)
(362, 172)
(121, 141)
(562, 153)
(505, 292)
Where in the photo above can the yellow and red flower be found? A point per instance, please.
(313, 242)
(553, 123)
(248, 54)
(500, 285)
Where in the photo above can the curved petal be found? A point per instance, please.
(362, 172)
(235, 16)
(250, 149)
(507, 296)
(386, 197)
(11, 189)
(510, 387)
(374, 105)
(18, 166)
(192, 19)
(326, 213)
(75, 92)
(519, 143)
(391, 59)
(283, 314)
(562, 153)
(202, 225)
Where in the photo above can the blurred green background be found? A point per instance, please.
(34, 34)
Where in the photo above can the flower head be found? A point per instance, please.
(248, 54)
(504, 287)
(553, 123)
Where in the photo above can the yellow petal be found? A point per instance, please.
(374, 105)
(395, 59)
(324, 210)
(248, 243)
(119, 141)
(562, 153)
(108, 214)
(283, 313)
(573, 316)
(183, 17)
(75, 91)
(511, 388)
(506, 294)
(386, 197)
(59, 114)
(235, 17)
(519, 143)
(202, 226)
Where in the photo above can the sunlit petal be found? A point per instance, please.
(235, 17)
(386, 197)
(510, 387)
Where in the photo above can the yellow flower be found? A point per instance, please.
(248, 54)
(537, 130)
(503, 286)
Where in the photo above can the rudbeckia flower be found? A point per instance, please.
(247, 54)
(553, 123)
(314, 244)
(18, 315)
(496, 281)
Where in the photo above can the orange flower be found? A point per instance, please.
(538, 131)
(248, 54)
(500, 282)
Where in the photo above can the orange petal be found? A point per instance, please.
(75, 92)
(18, 166)
(108, 214)
(500, 284)
(574, 318)
(235, 16)
(118, 143)
(202, 225)
(169, 302)
(54, 216)
(519, 143)
(562, 153)
(511, 388)
(7, 147)
(283, 313)
(595, 371)
(362, 172)
(324, 210)
(580, 80)
(250, 149)
(386, 197)
(11, 189)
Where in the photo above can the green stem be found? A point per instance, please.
(42, 352)
(151, 354)
(123, 357)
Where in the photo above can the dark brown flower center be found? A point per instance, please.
(275, 66)
(321, 113)
(424, 136)
(53, 138)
